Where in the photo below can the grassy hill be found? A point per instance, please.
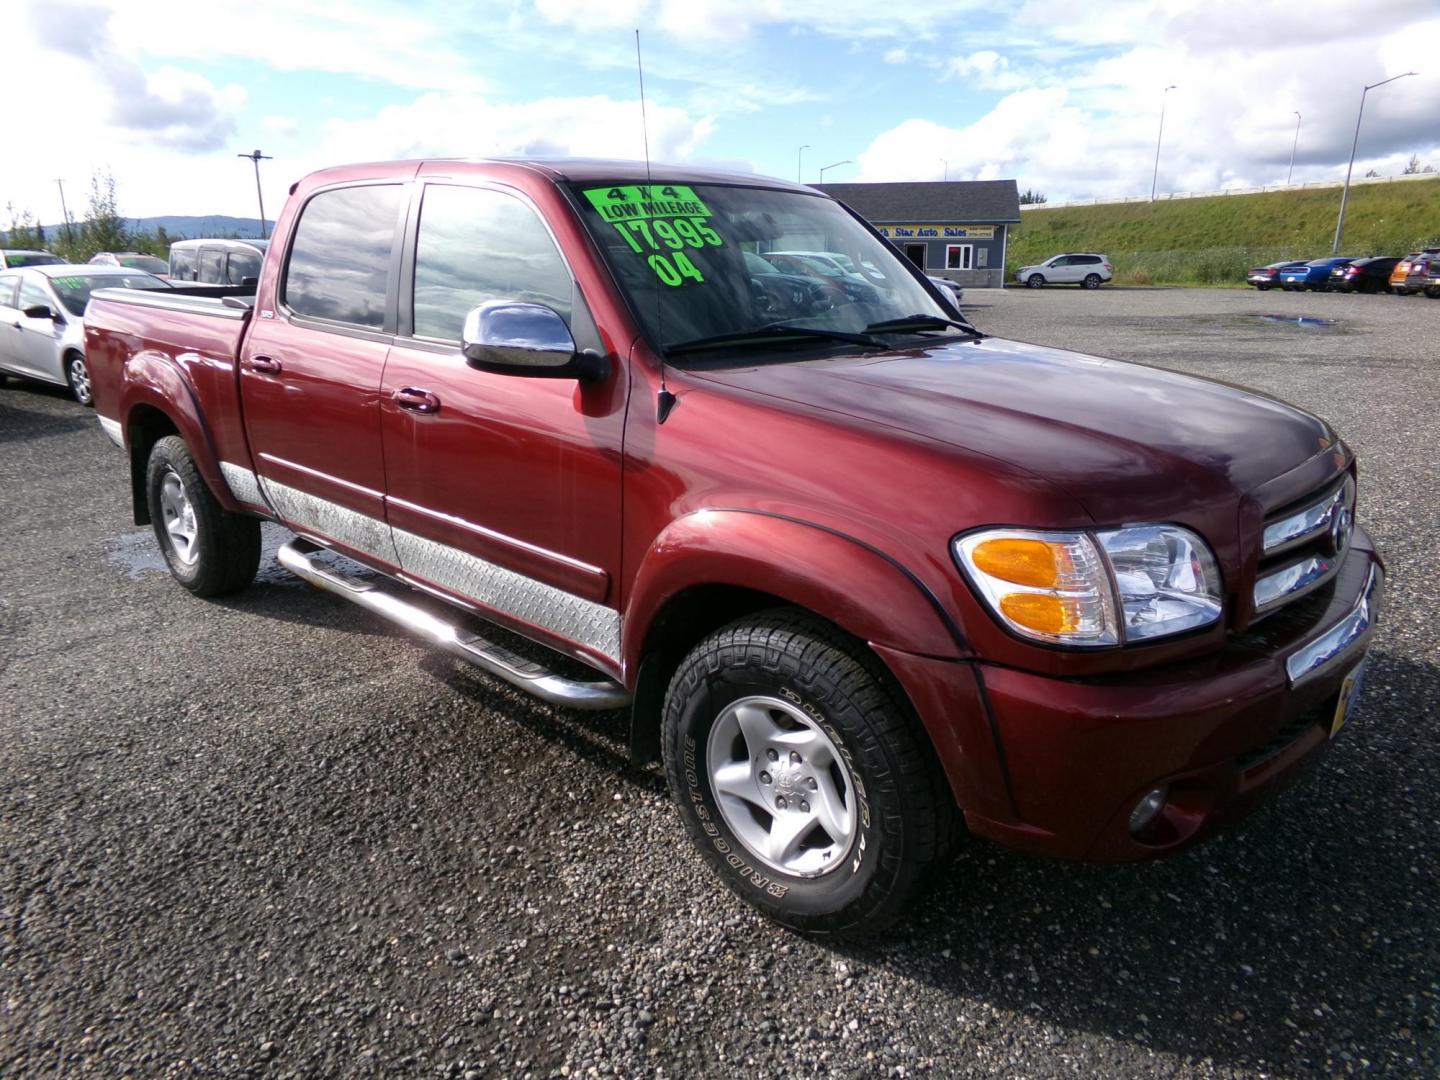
(1213, 241)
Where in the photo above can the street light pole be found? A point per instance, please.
(946, 163)
(1292, 150)
(1155, 176)
(1345, 196)
(258, 157)
(837, 164)
(799, 154)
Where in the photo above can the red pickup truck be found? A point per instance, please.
(866, 577)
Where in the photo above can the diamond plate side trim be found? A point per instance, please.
(558, 611)
(113, 429)
(350, 527)
(242, 483)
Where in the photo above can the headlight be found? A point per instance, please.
(1094, 589)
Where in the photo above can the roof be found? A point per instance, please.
(989, 202)
(230, 242)
(81, 270)
(575, 170)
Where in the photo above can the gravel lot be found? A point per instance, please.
(269, 837)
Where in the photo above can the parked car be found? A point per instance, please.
(948, 288)
(1265, 277)
(1413, 271)
(42, 330)
(878, 577)
(133, 260)
(1432, 280)
(217, 262)
(12, 258)
(1087, 270)
(1313, 275)
(812, 264)
(1370, 275)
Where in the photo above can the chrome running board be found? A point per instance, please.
(296, 556)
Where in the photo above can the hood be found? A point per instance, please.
(1122, 439)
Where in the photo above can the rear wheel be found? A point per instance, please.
(1035, 281)
(803, 776)
(1092, 281)
(209, 550)
(1433, 292)
(77, 375)
(1262, 288)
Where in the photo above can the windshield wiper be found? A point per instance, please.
(773, 330)
(920, 322)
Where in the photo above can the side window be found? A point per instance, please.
(32, 294)
(476, 245)
(182, 264)
(340, 255)
(8, 288)
(1063, 260)
(212, 265)
(243, 264)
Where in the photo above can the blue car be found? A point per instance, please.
(1313, 275)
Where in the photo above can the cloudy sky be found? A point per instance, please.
(1061, 95)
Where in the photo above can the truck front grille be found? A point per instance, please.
(1303, 547)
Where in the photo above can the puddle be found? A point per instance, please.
(1303, 322)
(138, 554)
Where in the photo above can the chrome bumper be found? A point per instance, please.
(1345, 638)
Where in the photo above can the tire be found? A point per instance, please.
(1262, 288)
(1035, 281)
(857, 794)
(209, 550)
(1092, 281)
(77, 377)
(1433, 292)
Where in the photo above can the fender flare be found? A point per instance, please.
(853, 584)
(156, 380)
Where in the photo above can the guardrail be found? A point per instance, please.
(1232, 191)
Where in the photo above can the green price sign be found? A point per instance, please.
(660, 224)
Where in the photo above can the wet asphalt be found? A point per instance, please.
(267, 836)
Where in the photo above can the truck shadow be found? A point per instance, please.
(18, 423)
(1304, 941)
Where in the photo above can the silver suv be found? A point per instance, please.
(1087, 270)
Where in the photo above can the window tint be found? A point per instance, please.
(182, 264)
(340, 256)
(8, 287)
(1088, 260)
(212, 265)
(476, 245)
(243, 264)
(31, 294)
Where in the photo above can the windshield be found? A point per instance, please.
(31, 258)
(74, 290)
(149, 263)
(708, 261)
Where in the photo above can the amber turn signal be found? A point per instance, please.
(1045, 613)
(1019, 560)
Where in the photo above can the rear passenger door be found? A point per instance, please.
(502, 489)
(310, 369)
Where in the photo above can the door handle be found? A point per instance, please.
(262, 365)
(423, 401)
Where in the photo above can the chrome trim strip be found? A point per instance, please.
(1309, 521)
(162, 298)
(1334, 645)
(1294, 581)
(242, 483)
(113, 429)
(529, 676)
(499, 538)
(350, 527)
(329, 478)
(562, 613)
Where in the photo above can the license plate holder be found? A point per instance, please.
(1349, 693)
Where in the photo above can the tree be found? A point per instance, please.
(103, 228)
(1032, 198)
(25, 231)
(1371, 172)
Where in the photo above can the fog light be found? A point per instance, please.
(1147, 808)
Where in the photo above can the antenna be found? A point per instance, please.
(665, 400)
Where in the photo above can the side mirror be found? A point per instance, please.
(41, 311)
(511, 338)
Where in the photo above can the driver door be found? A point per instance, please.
(35, 347)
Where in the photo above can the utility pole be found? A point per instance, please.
(258, 157)
(65, 213)
(1345, 196)
(826, 168)
(1155, 176)
(799, 154)
(946, 163)
(1292, 150)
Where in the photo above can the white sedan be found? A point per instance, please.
(42, 335)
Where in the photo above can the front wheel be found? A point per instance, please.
(1035, 281)
(77, 375)
(1092, 281)
(209, 550)
(803, 776)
